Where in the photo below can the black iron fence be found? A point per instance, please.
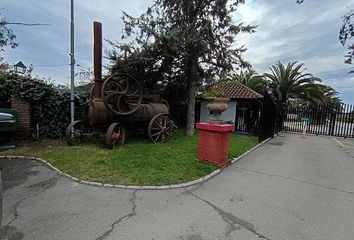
(331, 120)
(268, 120)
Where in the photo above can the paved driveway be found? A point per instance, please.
(290, 188)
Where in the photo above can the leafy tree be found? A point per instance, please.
(290, 82)
(7, 36)
(181, 43)
(346, 33)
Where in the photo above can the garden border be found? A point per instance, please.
(137, 187)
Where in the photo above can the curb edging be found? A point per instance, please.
(137, 187)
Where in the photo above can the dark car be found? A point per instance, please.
(0, 197)
(7, 128)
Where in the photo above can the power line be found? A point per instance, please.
(51, 65)
(27, 24)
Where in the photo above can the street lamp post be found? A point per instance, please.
(72, 61)
(20, 68)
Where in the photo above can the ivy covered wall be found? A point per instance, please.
(49, 103)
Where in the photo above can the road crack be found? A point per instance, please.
(125, 217)
(230, 219)
(10, 232)
(14, 211)
(297, 180)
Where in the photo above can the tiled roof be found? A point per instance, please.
(236, 89)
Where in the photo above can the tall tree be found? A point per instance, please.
(290, 82)
(187, 41)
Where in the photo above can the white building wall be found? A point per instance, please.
(228, 115)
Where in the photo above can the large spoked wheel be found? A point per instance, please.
(115, 135)
(122, 94)
(75, 133)
(161, 128)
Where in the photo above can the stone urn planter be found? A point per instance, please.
(216, 106)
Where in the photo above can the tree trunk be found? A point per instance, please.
(191, 108)
(191, 74)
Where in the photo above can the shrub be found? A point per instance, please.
(49, 103)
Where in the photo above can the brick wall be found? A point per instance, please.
(22, 107)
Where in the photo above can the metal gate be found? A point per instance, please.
(332, 120)
(268, 118)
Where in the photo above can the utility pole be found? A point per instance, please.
(72, 61)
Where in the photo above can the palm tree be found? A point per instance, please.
(291, 83)
(330, 95)
(251, 79)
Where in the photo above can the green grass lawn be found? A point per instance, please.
(137, 162)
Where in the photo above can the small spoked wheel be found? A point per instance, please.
(161, 128)
(115, 135)
(75, 133)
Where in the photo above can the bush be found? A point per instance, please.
(49, 103)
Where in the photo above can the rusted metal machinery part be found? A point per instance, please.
(122, 94)
(166, 103)
(92, 93)
(75, 133)
(97, 59)
(115, 135)
(161, 128)
(117, 100)
(146, 112)
(97, 109)
(98, 113)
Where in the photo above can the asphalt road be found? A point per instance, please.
(289, 188)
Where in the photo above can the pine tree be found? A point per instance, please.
(184, 42)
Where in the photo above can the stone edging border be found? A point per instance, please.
(136, 187)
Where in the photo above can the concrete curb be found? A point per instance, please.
(136, 187)
(248, 151)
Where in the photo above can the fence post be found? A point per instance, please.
(267, 121)
(332, 122)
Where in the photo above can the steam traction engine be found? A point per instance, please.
(116, 101)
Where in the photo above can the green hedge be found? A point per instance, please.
(49, 103)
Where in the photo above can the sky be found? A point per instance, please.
(286, 32)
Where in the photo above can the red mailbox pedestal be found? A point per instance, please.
(213, 143)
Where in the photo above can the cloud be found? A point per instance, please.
(50, 45)
(286, 32)
(306, 33)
